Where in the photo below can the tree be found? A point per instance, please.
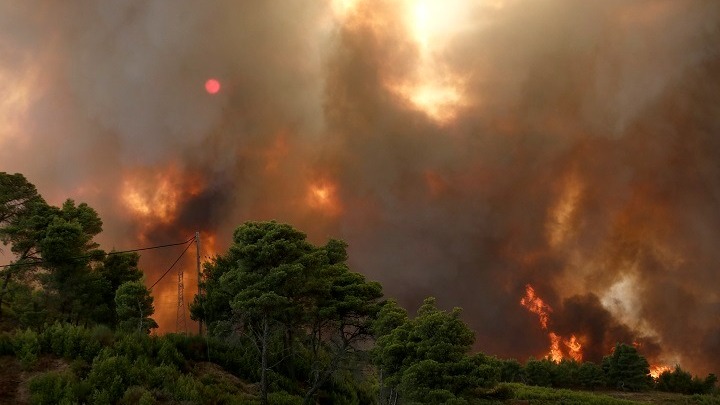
(282, 291)
(22, 217)
(426, 358)
(539, 372)
(627, 369)
(115, 270)
(591, 376)
(134, 306)
(679, 380)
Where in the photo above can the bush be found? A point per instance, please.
(109, 375)
(137, 395)
(26, 346)
(283, 398)
(56, 387)
(6, 344)
(168, 354)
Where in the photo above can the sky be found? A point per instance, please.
(463, 149)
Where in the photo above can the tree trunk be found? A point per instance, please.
(6, 281)
(264, 361)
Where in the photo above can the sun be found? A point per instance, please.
(212, 86)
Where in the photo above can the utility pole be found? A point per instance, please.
(199, 275)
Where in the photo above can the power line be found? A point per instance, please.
(38, 262)
(175, 262)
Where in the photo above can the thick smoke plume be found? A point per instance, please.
(464, 149)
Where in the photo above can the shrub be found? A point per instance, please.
(56, 387)
(137, 395)
(27, 347)
(284, 398)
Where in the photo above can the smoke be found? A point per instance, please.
(462, 149)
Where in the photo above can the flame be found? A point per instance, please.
(657, 369)
(156, 197)
(555, 353)
(572, 345)
(536, 305)
(574, 348)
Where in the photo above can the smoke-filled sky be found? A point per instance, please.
(464, 149)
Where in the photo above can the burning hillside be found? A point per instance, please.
(557, 152)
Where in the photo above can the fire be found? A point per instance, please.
(560, 347)
(657, 369)
(555, 352)
(536, 305)
(156, 197)
(574, 348)
(322, 195)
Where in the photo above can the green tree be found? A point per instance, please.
(539, 372)
(591, 376)
(115, 270)
(134, 306)
(426, 358)
(23, 216)
(282, 291)
(627, 369)
(679, 380)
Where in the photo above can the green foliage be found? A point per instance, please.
(6, 344)
(137, 395)
(26, 345)
(683, 382)
(70, 341)
(591, 376)
(543, 395)
(134, 306)
(56, 387)
(169, 355)
(284, 398)
(539, 372)
(426, 358)
(628, 370)
(292, 299)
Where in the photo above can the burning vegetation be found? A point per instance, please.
(482, 152)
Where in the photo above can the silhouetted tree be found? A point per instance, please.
(627, 370)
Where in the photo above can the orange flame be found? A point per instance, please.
(574, 348)
(657, 369)
(555, 352)
(572, 345)
(536, 305)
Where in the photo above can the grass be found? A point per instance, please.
(525, 394)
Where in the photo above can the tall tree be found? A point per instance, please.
(627, 370)
(134, 306)
(426, 358)
(23, 217)
(274, 284)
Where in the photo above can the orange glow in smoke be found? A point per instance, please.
(322, 195)
(560, 347)
(155, 195)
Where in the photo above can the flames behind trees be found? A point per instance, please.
(462, 152)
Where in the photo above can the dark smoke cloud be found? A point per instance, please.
(609, 107)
